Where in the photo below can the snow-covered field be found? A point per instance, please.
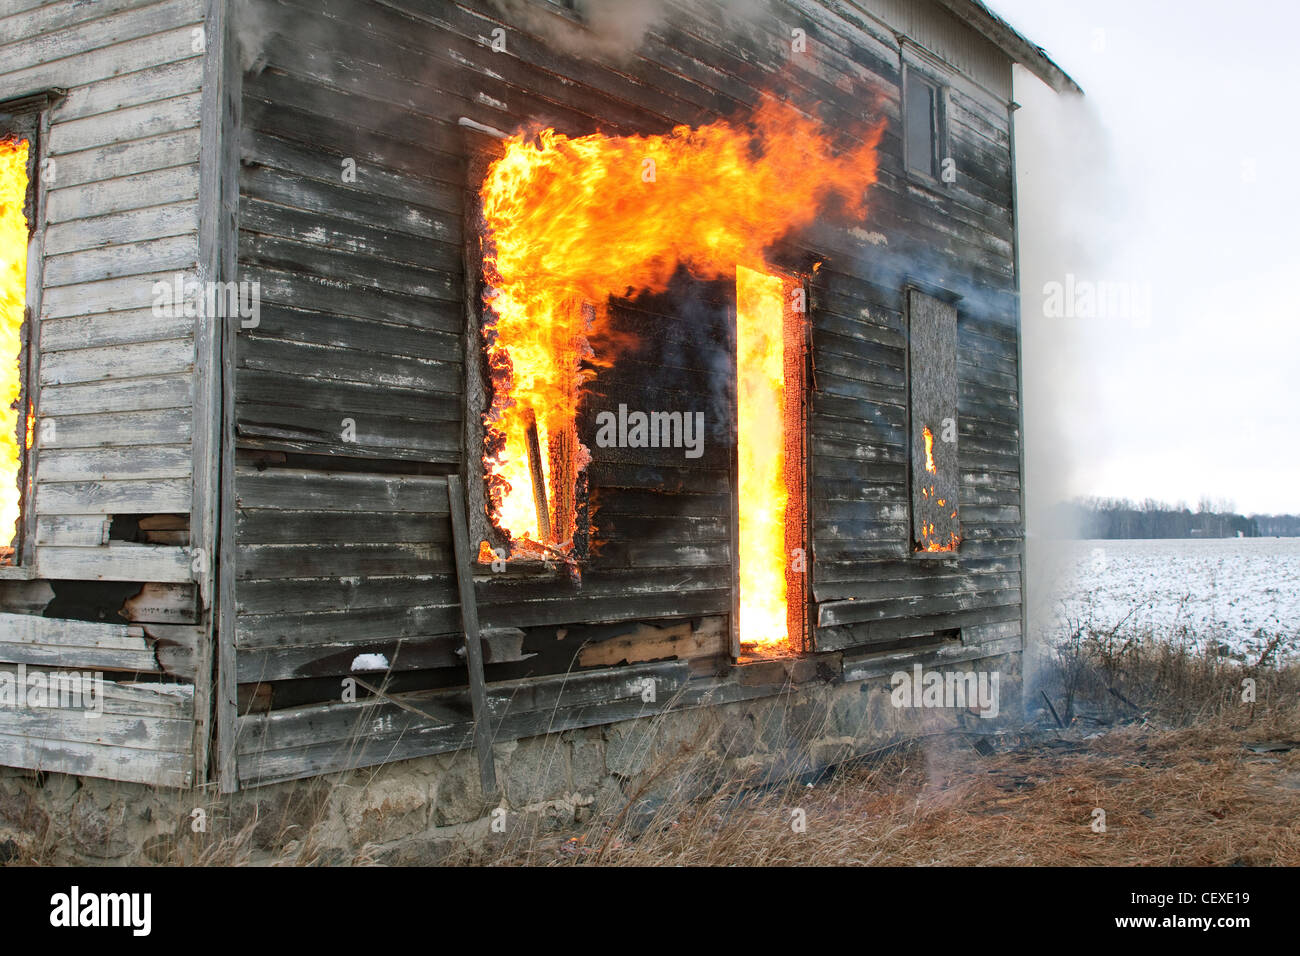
(1240, 591)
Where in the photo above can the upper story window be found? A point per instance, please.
(924, 130)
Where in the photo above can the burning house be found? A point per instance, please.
(388, 379)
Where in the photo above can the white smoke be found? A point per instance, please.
(1067, 205)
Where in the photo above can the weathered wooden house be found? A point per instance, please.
(266, 316)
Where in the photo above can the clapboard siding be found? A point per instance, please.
(143, 736)
(115, 378)
(333, 254)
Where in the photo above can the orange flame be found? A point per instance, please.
(13, 297)
(928, 542)
(572, 222)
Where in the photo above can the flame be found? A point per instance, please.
(572, 222)
(928, 541)
(13, 297)
(760, 454)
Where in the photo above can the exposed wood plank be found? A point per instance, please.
(119, 561)
(75, 531)
(156, 496)
(166, 426)
(153, 767)
(173, 184)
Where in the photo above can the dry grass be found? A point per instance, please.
(1181, 797)
(1159, 739)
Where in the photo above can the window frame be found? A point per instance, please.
(911, 289)
(29, 117)
(911, 71)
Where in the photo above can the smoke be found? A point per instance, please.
(611, 30)
(1067, 203)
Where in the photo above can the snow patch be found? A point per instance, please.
(370, 662)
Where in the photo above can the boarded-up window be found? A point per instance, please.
(932, 364)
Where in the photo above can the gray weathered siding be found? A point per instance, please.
(116, 382)
(365, 287)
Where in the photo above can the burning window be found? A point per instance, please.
(932, 365)
(17, 160)
(770, 461)
(571, 224)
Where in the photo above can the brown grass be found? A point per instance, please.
(1158, 739)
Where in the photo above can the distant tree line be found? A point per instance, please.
(1121, 518)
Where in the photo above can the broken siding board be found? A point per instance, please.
(76, 531)
(119, 561)
(159, 603)
(29, 628)
(128, 698)
(178, 649)
(329, 660)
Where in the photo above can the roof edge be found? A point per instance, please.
(1016, 45)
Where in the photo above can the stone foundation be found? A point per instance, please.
(414, 811)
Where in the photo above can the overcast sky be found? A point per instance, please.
(1178, 177)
